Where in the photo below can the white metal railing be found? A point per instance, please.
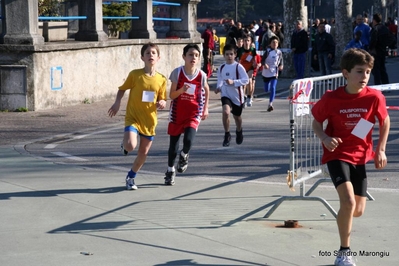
(305, 147)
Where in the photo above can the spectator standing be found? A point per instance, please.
(356, 42)
(378, 48)
(280, 34)
(266, 36)
(325, 50)
(299, 47)
(365, 29)
(208, 46)
(232, 32)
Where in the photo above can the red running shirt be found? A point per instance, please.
(342, 112)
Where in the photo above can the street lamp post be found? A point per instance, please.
(236, 9)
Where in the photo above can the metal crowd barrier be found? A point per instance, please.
(305, 147)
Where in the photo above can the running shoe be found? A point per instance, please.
(169, 178)
(130, 185)
(182, 164)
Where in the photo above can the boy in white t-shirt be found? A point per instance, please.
(232, 77)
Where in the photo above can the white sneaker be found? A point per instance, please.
(130, 185)
(249, 102)
(344, 258)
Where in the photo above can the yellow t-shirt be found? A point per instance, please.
(145, 92)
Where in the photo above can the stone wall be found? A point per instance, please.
(68, 73)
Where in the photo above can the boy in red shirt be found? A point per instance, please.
(190, 95)
(347, 140)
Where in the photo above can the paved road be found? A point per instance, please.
(62, 196)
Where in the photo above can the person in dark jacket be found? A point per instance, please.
(378, 48)
(299, 47)
(325, 50)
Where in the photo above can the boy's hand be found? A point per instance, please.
(217, 90)
(331, 143)
(185, 87)
(114, 109)
(380, 159)
(205, 114)
(161, 104)
(229, 81)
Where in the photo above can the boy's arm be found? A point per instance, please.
(380, 158)
(115, 107)
(176, 92)
(331, 143)
(243, 77)
(206, 112)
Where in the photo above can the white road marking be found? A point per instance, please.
(68, 156)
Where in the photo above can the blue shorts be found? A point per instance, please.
(133, 129)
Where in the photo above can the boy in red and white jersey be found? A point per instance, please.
(350, 111)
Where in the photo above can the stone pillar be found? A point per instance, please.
(21, 22)
(187, 28)
(72, 10)
(142, 28)
(91, 29)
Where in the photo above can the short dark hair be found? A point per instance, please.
(377, 17)
(355, 56)
(229, 47)
(189, 46)
(274, 38)
(150, 44)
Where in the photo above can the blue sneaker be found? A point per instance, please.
(130, 185)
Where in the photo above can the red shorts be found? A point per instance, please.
(178, 129)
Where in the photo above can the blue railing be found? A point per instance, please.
(158, 3)
(121, 17)
(63, 18)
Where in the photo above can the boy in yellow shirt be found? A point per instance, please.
(147, 93)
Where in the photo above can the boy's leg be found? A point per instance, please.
(226, 109)
(144, 148)
(226, 117)
(345, 214)
(130, 139)
(189, 135)
(273, 84)
(250, 90)
(188, 139)
(237, 111)
(172, 153)
(173, 150)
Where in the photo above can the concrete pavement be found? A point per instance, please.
(54, 214)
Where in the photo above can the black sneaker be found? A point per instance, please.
(125, 152)
(169, 178)
(270, 108)
(227, 138)
(239, 137)
(182, 164)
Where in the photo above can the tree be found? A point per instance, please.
(117, 10)
(343, 26)
(49, 8)
(294, 10)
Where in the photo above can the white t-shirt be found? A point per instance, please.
(234, 92)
